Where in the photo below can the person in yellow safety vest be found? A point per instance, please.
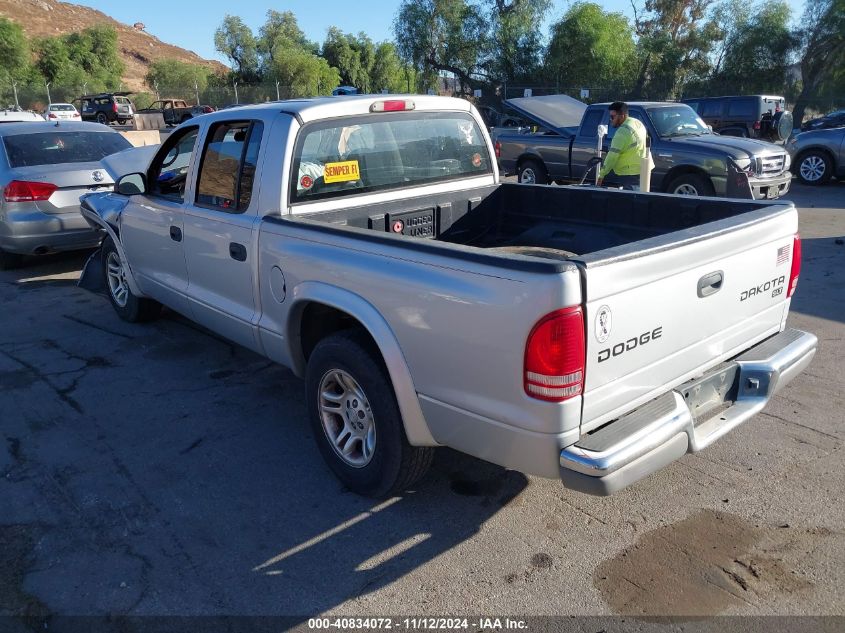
(621, 166)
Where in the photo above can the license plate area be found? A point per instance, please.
(715, 390)
(420, 223)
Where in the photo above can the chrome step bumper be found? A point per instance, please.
(687, 419)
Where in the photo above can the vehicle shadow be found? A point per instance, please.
(823, 262)
(33, 268)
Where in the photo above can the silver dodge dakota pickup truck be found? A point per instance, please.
(367, 243)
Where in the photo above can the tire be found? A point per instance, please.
(814, 167)
(9, 261)
(356, 421)
(532, 172)
(781, 128)
(691, 185)
(102, 119)
(128, 306)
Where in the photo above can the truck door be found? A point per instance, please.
(219, 230)
(151, 229)
(584, 145)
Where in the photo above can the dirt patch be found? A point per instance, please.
(703, 565)
(16, 543)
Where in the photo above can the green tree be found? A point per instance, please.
(434, 36)
(676, 38)
(173, 74)
(14, 51)
(235, 40)
(388, 72)
(279, 33)
(590, 47)
(822, 50)
(516, 40)
(304, 74)
(756, 50)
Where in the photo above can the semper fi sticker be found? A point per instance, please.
(345, 171)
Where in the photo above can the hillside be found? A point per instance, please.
(41, 18)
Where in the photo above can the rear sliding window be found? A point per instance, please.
(54, 148)
(385, 151)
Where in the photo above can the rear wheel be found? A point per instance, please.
(102, 118)
(128, 306)
(356, 420)
(532, 173)
(814, 167)
(691, 185)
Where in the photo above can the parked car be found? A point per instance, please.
(829, 120)
(17, 115)
(588, 335)
(175, 111)
(61, 112)
(689, 159)
(344, 90)
(753, 116)
(44, 168)
(107, 107)
(818, 155)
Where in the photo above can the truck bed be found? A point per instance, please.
(585, 224)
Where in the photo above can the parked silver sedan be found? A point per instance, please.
(44, 168)
(818, 155)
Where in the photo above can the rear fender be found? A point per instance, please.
(416, 428)
(103, 210)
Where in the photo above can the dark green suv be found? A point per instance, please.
(756, 116)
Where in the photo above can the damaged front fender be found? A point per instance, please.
(104, 210)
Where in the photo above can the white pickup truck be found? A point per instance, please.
(366, 242)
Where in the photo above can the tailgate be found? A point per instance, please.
(659, 317)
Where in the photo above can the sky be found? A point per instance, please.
(191, 25)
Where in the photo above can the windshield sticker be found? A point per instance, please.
(306, 182)
(476, 160)
(345, 171)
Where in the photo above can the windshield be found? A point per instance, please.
(53, 148)
(374, 152)
(679, 120)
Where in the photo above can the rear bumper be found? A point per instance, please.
(31, 232)
(687, 419)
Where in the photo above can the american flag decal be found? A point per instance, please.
(783, 255)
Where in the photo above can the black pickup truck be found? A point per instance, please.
(689, 158)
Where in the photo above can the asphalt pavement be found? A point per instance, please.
(159, 470)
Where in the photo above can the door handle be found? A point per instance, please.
(237, 251)
(710, 284)
(175, 234)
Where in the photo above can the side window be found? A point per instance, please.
(169, 169)
(741, 108)
(695, 105)
(227, 169)
(591, 123)
(711, 109)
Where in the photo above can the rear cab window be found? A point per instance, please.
(378, 152)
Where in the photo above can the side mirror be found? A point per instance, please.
(131, 184)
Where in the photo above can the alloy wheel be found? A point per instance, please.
(347, 418)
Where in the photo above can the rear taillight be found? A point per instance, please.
(757, 125)
(75, 115)
(51, 115)
(498, 147)
(114, 107)
(25, 191)
(796, 265)
(207, 109)
(554, 356)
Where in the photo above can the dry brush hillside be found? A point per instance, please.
(40, 18)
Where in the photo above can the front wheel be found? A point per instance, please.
(814, 168)
(128, 306)
(356, 420)
(532, 173)
(691, 185)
